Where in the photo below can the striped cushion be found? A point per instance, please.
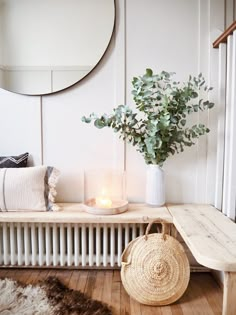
(14, 161)
(28, 188)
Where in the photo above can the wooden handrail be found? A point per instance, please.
(223, 37)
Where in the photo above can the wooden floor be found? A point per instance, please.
(203, 296)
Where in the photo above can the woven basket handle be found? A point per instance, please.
(163, 223)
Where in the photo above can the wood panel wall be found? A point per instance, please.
(170, 35)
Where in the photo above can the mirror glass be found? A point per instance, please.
(48, 45)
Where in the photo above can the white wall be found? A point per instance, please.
(230, 13)
(20, 125)
(1, 35)
(174, 35)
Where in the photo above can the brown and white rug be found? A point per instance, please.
(48, 297)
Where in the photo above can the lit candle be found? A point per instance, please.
(103, 201)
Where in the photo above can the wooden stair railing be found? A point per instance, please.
(223, 37)
(226, 135)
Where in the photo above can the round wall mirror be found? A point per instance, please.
(49, 45)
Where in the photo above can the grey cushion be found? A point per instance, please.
(14, 161)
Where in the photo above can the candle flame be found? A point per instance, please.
(103, 201)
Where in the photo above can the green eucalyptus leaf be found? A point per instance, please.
(195, 108)
(86, 119)
(183, 122)
(98, 123)
(210, 105)
(149, 72)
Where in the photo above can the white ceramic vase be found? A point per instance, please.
(155, 185)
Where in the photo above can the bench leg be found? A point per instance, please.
(229, 294)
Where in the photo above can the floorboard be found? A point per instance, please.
(203, 295)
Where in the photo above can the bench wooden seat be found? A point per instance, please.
(211, 237)
(74, 213)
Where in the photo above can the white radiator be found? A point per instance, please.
(54, 244)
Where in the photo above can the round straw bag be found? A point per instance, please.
(154, 268)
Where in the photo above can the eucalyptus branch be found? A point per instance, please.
(158, 126)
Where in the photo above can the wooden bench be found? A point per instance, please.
(74, 213)
(211, 237)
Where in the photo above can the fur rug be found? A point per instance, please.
(48, 297)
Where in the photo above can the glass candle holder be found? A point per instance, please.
(105, 191)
